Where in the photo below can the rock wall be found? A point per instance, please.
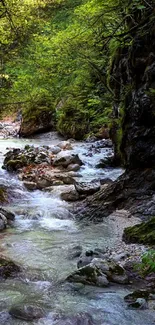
(133, 82)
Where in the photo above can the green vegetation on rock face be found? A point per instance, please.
(56, 55)
(143, 233)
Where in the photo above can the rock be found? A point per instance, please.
(91, 139)
(3, 223)
(64, 160)
(86, 257)
(106, 162)
(114, 272)
(106, 181)
(8, 268)
(42, 183)
(30, 185)
(7, 214)
(100, 272)
(141, 233)
(42, 122)
(26, 312)
(87, 188)
(103, 132)
(132, 297)
(70, 194)
(119, 257)
(65, 145)
(73, 167)
(89, 275)
(55, 150)
(105, 143)
(140, 303)
(18, 158)
(79, 319)
(74, 252)
(3, 219)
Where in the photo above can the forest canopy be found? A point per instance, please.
(57, 54)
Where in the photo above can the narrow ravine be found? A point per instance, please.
(42, 240)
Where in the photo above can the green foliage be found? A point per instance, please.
(147, 265)
(60, 50)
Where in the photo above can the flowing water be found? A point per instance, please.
(42, 239)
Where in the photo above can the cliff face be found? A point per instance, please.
(133, 81)
(133, 132)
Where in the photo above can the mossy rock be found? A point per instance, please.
(3, 195)
(14, 165)
(8, 268)
(143, 233)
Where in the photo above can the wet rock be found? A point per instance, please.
(91, 138)
(3, 221)
(30, 185)
(104, 143)
(87, 188)
(79, 319)
(70, 194)
(140, 303)
(114, 271)
(27, 312)
(55, 150)
(132, 297)
(8, 268)
(42, 183)
(73, 167)
(100, 272)
(65, 145)
(107, 181)
(6, 215)
(106, 162)
(18, 158)
(65, 160)
(86, 257)
(89, 275)
(74, 252)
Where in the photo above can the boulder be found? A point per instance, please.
(65, 145)
(9, 215)
(99, 272)
(74, 252)
(42, 122)
(89, 275)
(26, 312)
(86, 257)
(79, 319)
(16, 159)
(143, 233)
(87, 188)
(64, 160)
(30, 185)
(8, 268)
(6, 218)
(69, 194)
(73, 167)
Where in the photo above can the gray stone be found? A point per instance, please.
(87, 188)
(64, 160)
(30, 185)
(26, 312)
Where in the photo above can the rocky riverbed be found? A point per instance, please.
(66, 271)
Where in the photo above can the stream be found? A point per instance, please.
(41, 241)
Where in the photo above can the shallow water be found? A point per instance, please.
(41, 239)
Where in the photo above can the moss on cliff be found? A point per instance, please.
(143, 233)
